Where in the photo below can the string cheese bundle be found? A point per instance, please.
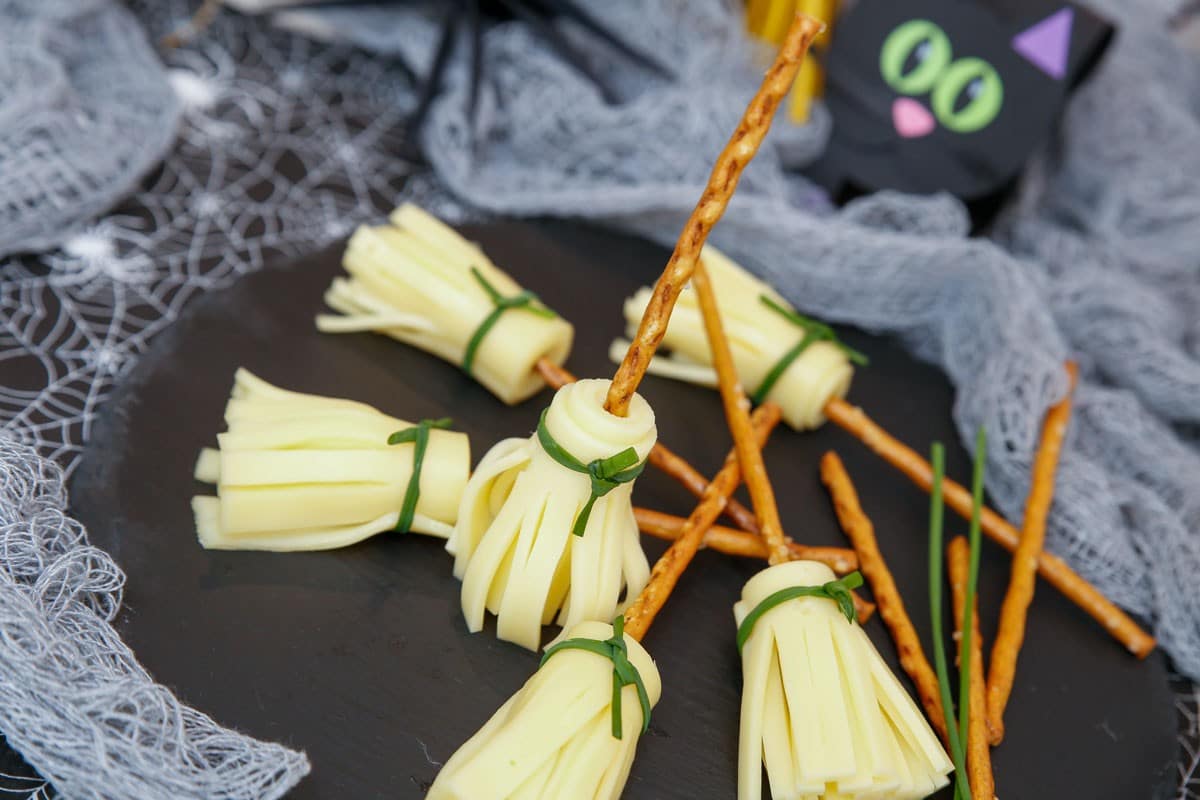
(820, 708)
(558, 737)
(419, 281)
(303, 472)
(780, 355)
(546, 525)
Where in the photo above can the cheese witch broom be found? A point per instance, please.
(546, 529)
(302, 472)
(799, 363)
(820, 708)
(745, 542)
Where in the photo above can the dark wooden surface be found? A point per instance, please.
(360, 656)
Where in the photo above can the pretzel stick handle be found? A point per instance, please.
(668, 568)
(861, 534)
(733, 542)
(1050, 567)
(737, 414)
(979, 752)
(1015, 609)
(661, 457)
(742, 146)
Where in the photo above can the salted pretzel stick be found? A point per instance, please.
(737, 414)
(733, 542)
(1011, 632)
(666, 460)
(668, 568)
(1052, 568)
(861, 534)
(721, 183)
(979, 751)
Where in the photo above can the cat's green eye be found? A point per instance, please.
(968, 96)
(914, 55)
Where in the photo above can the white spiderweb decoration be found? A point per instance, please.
(285, 145)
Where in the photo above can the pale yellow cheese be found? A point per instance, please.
(412, 280)
(513, 543)
(553, 739)
(297, 471)
(820, 708)
(758, 337)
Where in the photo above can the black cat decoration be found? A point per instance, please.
(950, 95)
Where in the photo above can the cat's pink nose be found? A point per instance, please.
(911, 118)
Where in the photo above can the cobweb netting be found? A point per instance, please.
(73, 699)
(57, 169)
(1097, 258)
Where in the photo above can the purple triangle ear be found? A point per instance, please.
(1047, 44)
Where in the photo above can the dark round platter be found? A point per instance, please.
(360, 656)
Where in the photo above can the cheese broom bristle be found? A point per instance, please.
(820, 708)
(533, 541)
(554, 737)
(302, 472)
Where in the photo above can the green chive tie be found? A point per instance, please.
(524, 300)
(813, 332)
(419, 436)
(624, 672)
(605, 474)
(838, 591)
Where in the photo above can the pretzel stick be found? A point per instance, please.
(861, 534)
(1011, 633)
(737, 414)
(979, 752)
(737, 406)
(721, 183)
(195, 26)
(666, 460)
(668, 568)
(733, 542)
(1052, 568)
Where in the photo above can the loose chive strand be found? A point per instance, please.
(968, 625)
(936, 536)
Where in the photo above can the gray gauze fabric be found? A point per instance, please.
(1097, 259)
(85, 111)
(73, 699)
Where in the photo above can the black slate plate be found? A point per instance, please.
(360, 656)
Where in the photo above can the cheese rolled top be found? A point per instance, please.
(577, 421)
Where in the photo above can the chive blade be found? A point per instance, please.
(936, 537)
(968, 626)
